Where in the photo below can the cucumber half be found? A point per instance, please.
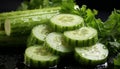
(93, 55)
(54, 43)
(38, 57)
(23, 25)
(85, 36)
(6, 41)
(38, 34)
(64, 22)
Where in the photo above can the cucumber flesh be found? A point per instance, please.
(93, 55)
(64, 22)
(54, 43)
(38, 34)
(85, 36)
(41, 31)
(37, 57)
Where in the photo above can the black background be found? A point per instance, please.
(101, 5)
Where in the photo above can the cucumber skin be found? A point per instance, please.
(80, 43)
(58, 28)
(6, 41)
(56, 52)
(86, 62)
(18, 14)
(35, 64)
(38, 64)
(20, 27)
(33, 40)
(15, 14)
(1, 25)
(48, 48)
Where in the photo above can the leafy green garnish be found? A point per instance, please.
(67, 6)
(88, 14)
(112, 26)
(116, 60)
(108, 31)
(23, 6)
(111, 31)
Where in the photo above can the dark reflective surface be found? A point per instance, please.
(13, 58)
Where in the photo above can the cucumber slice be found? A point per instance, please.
(64, 22)
(38, 35)
(37, 57)
(54, 43)
(85, 36)
(93, 55)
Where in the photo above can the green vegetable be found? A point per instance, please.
(65, 22)
(68, 6)
(55, 43)
(28, 12)
(1, 25)
(85, 36)
(19, 14)
(38, 4)
(6, 41)
(23, 6)
(108, 31)
(116, 60)
(23, 25)
(93, 55)
(37, 57)
(38, 35)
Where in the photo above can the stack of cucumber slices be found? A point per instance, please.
(64, 34)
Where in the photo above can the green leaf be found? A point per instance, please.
(67, 6)
(114, 47)
(112, 26)
(24, 6)
(117, 60)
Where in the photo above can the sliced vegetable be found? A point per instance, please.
(64, 22)
(93, 55)
(37, 57)
(55, 43)
(85, 36)
(38, 34)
